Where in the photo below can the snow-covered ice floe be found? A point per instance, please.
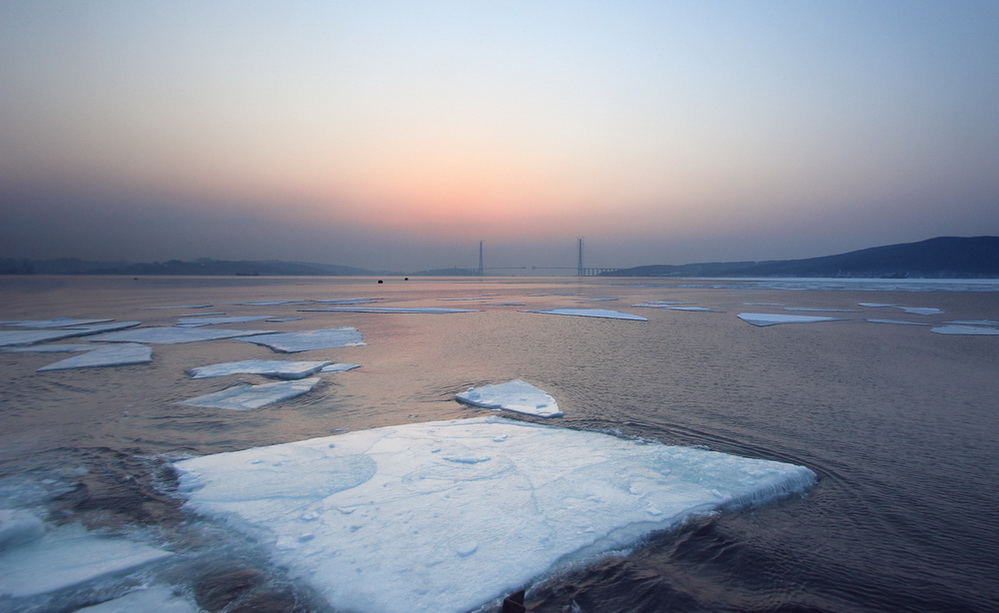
(173, 335)
(35, 560)
(211, 321)
(307, 340)
(429, 310)
(453, 515)
(770, 319)
(339, 367)
(602, 313)
(517, 395)
(966, 330)
(117, 355)
(283, 369)
(249, 397)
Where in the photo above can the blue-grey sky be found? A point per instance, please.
(398, 134)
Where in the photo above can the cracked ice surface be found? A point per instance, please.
(118, 355)
(284, 369)
(66, 556)
(449, 516)
(173, 335)
(307, 340)
(517, 395)
(602, 313)
(249, 397)
(770, 319)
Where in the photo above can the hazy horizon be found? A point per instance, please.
(397, 135)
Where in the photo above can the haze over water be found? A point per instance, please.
(897, 422)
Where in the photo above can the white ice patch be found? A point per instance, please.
(307, 340)
(428, 310)
(974, 322)
(155, 599)
(211, 321)
(517, 395)
(602, 313)
(58, 322)
(875, 305)
(118, 355)
(921, 310)
(966, 330)
(283, 369)
(249, 397)
(68, 556)
(770, 319)
(339, 367)
(173, 335)
(449, 516)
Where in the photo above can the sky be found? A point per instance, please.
(396, 135)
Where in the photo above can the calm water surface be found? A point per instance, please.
(899, 423)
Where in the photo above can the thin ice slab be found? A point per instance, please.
(771, 319)
(282, 369)
(430, 310)
(966, 330)
(68, 556)
(449, 516)
(54, 348)
(173, 335)
(601, 313)
(339, 367)
(122, 354)
(899, 322)
(211, 321)
(249, 397)
(307, 340)
(517, 395)
(9, 338)
(58, 322)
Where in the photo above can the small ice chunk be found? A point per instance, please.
(283, 369)
(118, 355)
(601, 313)
(346, 300)
(173, 335)
(155, 599)
(426, 310)
(183, 306)
(249, 397)
(517, 395)
(423, 533)
(897, 322)
(966, 330)
(69, 556)
(58, 322)
(875, 305)
(770, 319)
(820, 310)
(18, 527)
(277, 320)
(339, 367)
(974, 322)
(210, 321)
(267, 302)
(307, 340)
(921, 310)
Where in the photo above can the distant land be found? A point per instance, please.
(942, 257)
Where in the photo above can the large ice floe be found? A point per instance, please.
(359, 309)
(453, 515)
(30, 337)
(601, 313)
(36, 560)
(282, 369)
(122, 354)
(173, 335)
(248, 397)
(771, 319)
(973, 330)
(307, 340)
(517, 395)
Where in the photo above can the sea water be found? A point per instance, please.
(897, 421)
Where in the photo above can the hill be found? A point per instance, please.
(941, 257)
(203, 266)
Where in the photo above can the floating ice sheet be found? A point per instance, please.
(900, 322)
(117, 355)
(339, 367)
(602, 313)
(966, 330)
(770, 319)
(283, 369)
(347, 300)
(820, 310)
(920, 310)
(430, 310)
(517, 395)
(88, 329)
(974, 322)
(184, 306)
(249, 397)
(67, 556)
(29, 337)
(58, 322)
(210, 321)
(449, 516)
(307, 340)
(155, 599)
(61, 348)
(173, 335)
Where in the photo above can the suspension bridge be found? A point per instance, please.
(581, 270)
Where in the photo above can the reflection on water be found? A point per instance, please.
(898, 422)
